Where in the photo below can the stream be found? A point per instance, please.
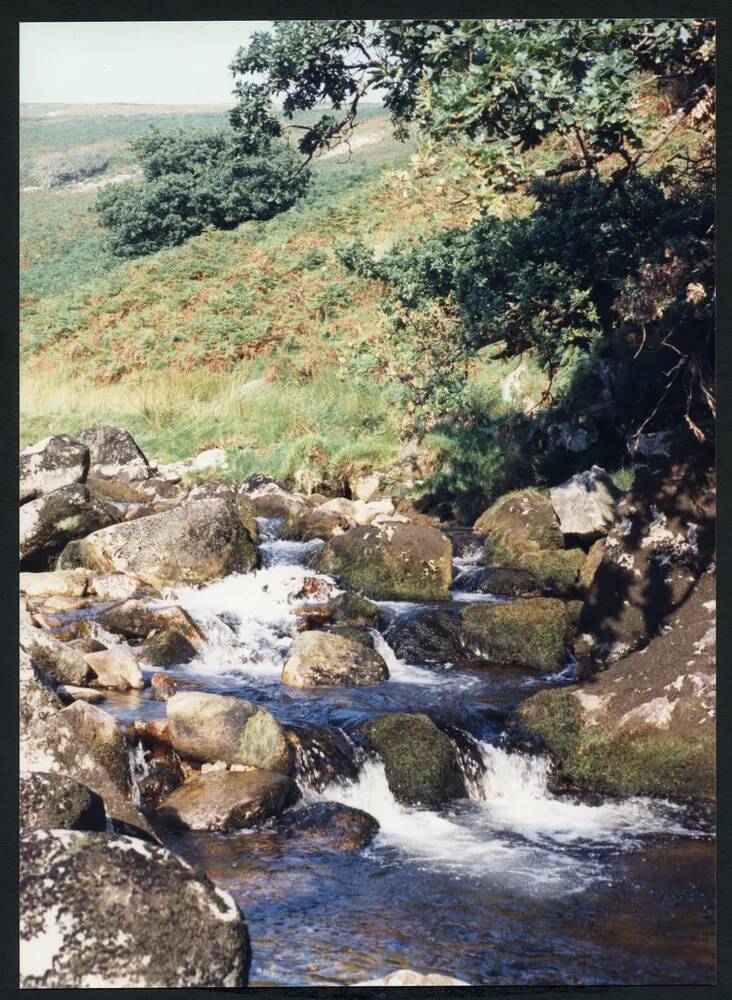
(512, 885)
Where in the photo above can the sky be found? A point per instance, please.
(130, 62)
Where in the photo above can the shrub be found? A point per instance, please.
(596, 270)
(196, 180)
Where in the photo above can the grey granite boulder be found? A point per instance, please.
(50, 464)
(100, 910)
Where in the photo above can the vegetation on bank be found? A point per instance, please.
(397, 294)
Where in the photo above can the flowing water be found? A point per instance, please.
(510, 885)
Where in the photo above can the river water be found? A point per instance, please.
(512, 885)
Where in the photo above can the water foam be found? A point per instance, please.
(515, 791)
(403, 672)
(261, 607)
(512, 829)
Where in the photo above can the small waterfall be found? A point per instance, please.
(282, 553)
(471, 555)
(323, 756)
(139, 770)
(515, 791)
(400, 670)
(269, 528)
(511, 826)
(261, 608)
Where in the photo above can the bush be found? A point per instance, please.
(196, 180)
(623, 272)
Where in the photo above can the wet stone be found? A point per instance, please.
(332, 825)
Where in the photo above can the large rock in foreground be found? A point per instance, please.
(393, 561)
(54, 802)
(532, 633)
(646, 725)
(48, 523)
(421, 762)
(103, 911)
(213, 727)
(196, 542)
(323, 659)
(228, 800)
(50, 464)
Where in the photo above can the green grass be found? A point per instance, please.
(311, 434)
(61, 242)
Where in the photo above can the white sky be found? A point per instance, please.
(130, 62)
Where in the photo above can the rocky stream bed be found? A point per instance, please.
(381, 743)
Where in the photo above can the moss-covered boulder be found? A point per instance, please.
(533, 632)
(354, 633)
(394, 561)
(517, 523)
(504, 582)
(307, 524)
(522, 532)
(644, 726)
(192, 543)
(165, 648)
(352, 609)
(213, 727)
(556, 570)
(421, 762)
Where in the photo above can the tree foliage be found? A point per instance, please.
(505, 85)
(595, 268)
(617, 257)
(194, 180)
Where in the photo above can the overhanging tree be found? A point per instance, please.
(590, 269)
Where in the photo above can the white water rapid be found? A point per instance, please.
(511, 826)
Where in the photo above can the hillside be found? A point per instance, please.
(268, 335)
(277, 350)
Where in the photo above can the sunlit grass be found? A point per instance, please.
(323, 430)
